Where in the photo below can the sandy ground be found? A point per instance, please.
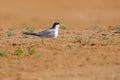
(96, 57)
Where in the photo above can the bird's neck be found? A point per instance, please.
(57, 28)
(56, 31)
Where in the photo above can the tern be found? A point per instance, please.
(50, 32)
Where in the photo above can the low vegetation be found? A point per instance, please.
(63, 27)
(29, 29)
(10, 32)
(117, 28)
(82, 39)
(98, 28)
(79, 38)
(31, 50)
(103, 37)
(18, 51)
(3, 53)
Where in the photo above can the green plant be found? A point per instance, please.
(3, 53)
(31, 50)
(98, 28)
(18, 51)
(63, 27)
(87, 41)
(10, 32)
(117, 28)
(30, 29)
(103, 37)
(78, 38)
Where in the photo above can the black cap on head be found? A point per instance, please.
(56, 23)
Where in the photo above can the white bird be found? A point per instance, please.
(51, 32)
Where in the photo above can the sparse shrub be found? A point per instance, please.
(3, 53)
(78, 38)
(10, 32)
(95, 27)
(87, 41)
(103, 37)
(63, 27)
(98, 28)
(30, 29)
(18, 51)
(31, 50)
(117, 28)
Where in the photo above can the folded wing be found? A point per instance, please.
(46, 33)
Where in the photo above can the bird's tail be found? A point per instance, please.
(28, 33)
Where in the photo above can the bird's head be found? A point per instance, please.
(56, 25)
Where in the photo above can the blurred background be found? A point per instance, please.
(73, 13)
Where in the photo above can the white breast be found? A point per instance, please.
(56, 31)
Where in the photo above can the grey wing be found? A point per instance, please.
(46, 33)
